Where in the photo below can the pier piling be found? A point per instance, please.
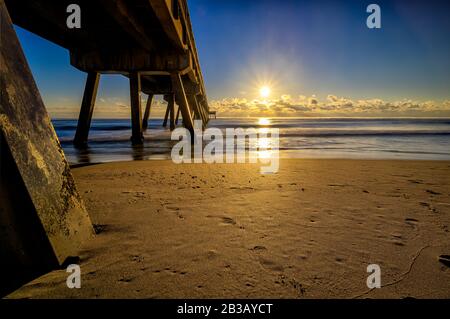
(87, 108)
(136, 120)
(147, 112)
(180, 94)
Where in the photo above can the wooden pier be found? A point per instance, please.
(149, 41)
(42, 216)
(212, 114)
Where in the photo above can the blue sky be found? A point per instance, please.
(304, 50)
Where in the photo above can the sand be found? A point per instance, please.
(226, 231)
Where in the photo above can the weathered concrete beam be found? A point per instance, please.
(162, 86)
(42, 216)
(120, 11)
(175, 27)
(129, 60)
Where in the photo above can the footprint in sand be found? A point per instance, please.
(339, 259)
(258, 248)
(411, 221)
(302, 256)
(270, 264)
(228, 220)
(170, 271)
(172, 208)
(445, 259)
(398, 243)
(125, 279)
(414, 181)
(428, 205)
(224, 220)
(136, 258)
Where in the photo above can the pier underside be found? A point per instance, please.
(149, 41)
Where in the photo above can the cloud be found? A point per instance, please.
(285, 105)
(333, 105)
(313, 101)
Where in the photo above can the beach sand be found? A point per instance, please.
(226, 231)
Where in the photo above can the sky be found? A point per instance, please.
(315, 58)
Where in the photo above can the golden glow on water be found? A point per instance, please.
(263, 121)
(263, 130)
(264, 143)
(265, 154)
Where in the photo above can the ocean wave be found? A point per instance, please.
(109, 140)
(363, 133)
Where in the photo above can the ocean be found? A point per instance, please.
(405, 138)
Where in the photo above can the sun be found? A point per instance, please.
(264, 91)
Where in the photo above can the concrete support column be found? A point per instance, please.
(43, 220)
(178, 116)
(172, 112)
(136, 119)
(198, 109)
(87, 108)
(166, 116)
(177, 85)
(201, 108)
(147, 112)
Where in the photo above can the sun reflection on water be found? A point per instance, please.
(263, 121)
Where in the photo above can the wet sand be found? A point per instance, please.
(225, 231)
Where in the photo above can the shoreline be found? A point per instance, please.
(225, 230)
(383, 139)
(79, 165)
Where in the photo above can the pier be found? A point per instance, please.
(149, 41)
(43, 219)
(212, 114)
